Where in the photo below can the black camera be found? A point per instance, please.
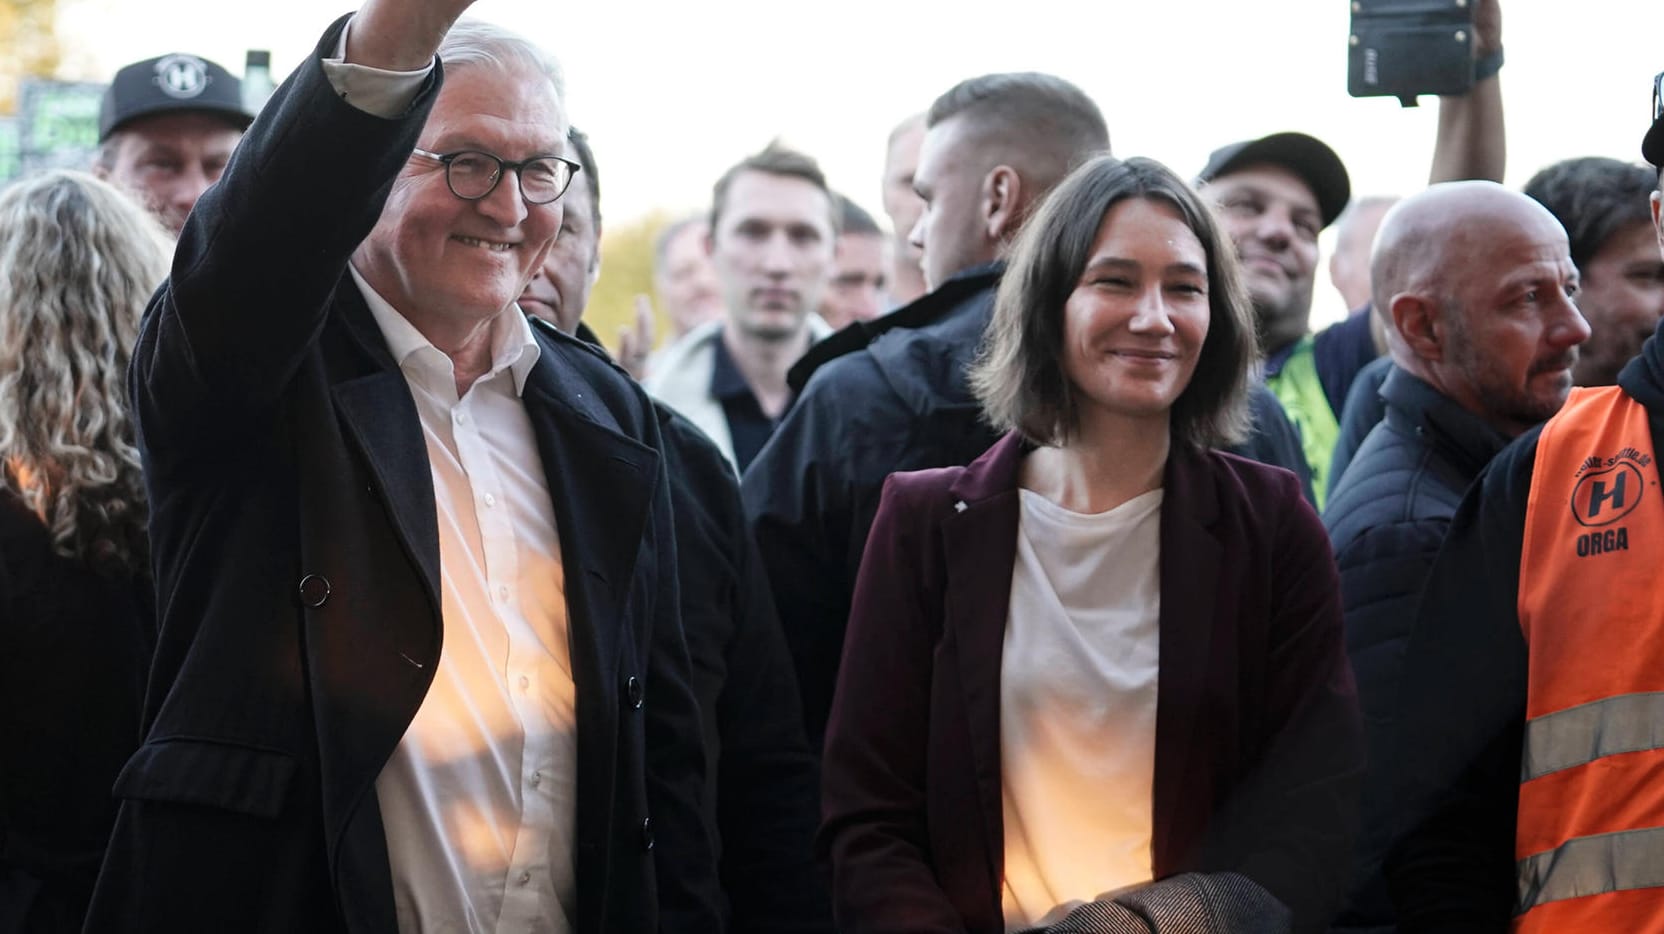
(1402, 48)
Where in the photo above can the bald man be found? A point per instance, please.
(1474, 283)
(1526, 753)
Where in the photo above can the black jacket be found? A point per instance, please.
(1455, 755)
(75, 646)
(296, 550)
(1362, 413)
(761, 779)
(1386, 520)
(886, 396)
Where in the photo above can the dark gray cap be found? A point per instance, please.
(1306, 156)
(171, 84)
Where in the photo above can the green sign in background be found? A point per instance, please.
(56, 127)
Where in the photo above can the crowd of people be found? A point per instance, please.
(1033, 566)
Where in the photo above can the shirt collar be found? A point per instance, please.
(513, 346)
(726, 380)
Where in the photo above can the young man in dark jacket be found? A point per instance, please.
(1487, 334)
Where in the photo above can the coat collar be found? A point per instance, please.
(1186, 478)
(925, 310)
(1413, 406)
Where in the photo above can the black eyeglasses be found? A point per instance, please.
(472, 175)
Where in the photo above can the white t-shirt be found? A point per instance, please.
(1078, 704)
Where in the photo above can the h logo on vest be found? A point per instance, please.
(1604, 497)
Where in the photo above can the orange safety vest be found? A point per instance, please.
(1590, 838)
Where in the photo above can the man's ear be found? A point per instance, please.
(1418, 321)
(1002, 202)
(1657, 223)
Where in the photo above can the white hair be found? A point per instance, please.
(473, 43)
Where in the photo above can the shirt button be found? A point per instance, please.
(490, 500)
(462, 418)
(525, 682)
(525, 877)
(537, 779)
(502, 593)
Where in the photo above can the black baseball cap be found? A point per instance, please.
(1652, 147)
(170, 84)
(1306, 156)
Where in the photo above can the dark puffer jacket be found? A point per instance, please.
(1387, 519)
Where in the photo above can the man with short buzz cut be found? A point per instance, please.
(859, 290)
(771, 239)
(1526, 756)
(891, 394)
(420, 663)
(1602, 203)
(1475, 282)
(166, 129)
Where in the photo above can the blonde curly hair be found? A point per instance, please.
(78, 262)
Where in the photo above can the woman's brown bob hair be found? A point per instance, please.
(1018, 376)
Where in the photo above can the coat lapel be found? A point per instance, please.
(373, 646)
(979, 545)
(1190, 566)
(601, 485)
(378, 411)
(382, 419)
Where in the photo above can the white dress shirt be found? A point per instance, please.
(478, 800)
(1078, 680)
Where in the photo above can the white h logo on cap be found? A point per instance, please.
(182, 76)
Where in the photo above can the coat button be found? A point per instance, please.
(314, 589)
(647, 834)
(632, 689)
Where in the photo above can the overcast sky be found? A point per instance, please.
(671, 93)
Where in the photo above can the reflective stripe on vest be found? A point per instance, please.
(1589, 842)
(1612, 862)
(1582, 734)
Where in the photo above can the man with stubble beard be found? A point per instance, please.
(1523, 765)
(773, 228)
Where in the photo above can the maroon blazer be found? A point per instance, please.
(1258, 739)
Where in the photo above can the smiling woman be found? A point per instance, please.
(1125, 256)
(1072, 604)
